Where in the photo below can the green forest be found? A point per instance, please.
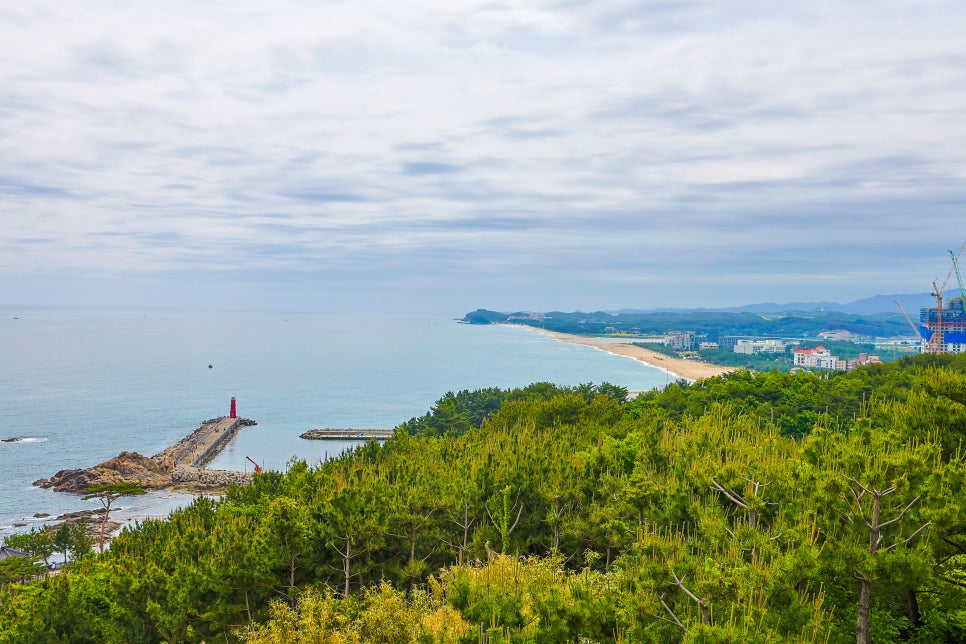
(768, 507)
(713, 324)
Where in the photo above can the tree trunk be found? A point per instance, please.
(346, 564)
(412, 558)
(913, 602)
(558, 512)
(107, 514)
(862, 621)
(466, 531)
(862, 635)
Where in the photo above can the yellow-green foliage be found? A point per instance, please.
(383, 615)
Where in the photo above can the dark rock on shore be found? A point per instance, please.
(71, 517)
(94, 519)
(126, 466)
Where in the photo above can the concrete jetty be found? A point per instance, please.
(204, 444)
(330, 433)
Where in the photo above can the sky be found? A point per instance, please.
(444, 155)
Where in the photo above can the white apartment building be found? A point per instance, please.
(759, 346)
(817, 358)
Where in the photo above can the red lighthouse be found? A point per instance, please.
(233, 413)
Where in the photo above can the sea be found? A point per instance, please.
(79, 386)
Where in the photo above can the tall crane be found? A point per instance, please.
(909, 320)
(959, 277)
(936, 341)
(258, 468)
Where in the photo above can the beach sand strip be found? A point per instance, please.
(687, 369)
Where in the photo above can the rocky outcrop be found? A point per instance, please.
(126, 466)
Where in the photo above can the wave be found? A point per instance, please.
(25, 439)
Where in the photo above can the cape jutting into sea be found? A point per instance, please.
(79, 386)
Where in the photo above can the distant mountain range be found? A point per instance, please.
(866, 306)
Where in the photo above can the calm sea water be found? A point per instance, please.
(79, 386)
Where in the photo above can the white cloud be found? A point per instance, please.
(140, 138)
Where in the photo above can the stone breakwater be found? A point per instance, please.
(201, 446)
(347, 434)
(178, 467)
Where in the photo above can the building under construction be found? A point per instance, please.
(943, 328)
(950, 324)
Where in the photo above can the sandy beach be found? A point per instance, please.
(688, 369)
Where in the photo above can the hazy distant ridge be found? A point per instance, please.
(866, 306)
(871, 317)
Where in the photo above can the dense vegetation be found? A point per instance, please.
(789, 324)
(747, 508)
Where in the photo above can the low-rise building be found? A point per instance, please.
(816, 358)
(8, 553)
(864, 359)
(680, 340)
(759, 346)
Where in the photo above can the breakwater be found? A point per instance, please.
(204, 444)
(347, 434)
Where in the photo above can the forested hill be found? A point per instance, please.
(747, 508)
(710, 323)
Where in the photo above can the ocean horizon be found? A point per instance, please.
(80, 386)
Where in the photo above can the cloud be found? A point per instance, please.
(648, 146)
(321, 196)
(417, 168)
(15, 187)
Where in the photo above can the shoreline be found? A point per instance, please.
(686, 369)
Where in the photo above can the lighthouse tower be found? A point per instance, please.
(233, 413)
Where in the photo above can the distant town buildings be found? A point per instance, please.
(759, 346)
(680, 340)
(817, 358)
(863, 360)
(526, 316)
(803, 357)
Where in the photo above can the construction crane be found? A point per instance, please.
(258, 468)
(936, 341)
(911, 323)
(959, 277)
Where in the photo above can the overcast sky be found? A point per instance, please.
(446, 155)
